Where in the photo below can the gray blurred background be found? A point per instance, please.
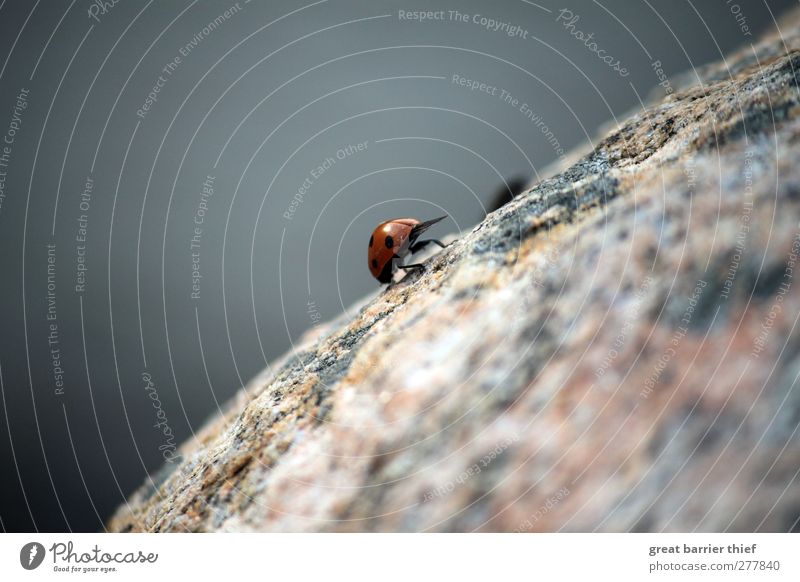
(228, 211)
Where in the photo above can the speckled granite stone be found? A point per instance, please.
(614, 350)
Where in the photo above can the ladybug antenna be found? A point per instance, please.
(423, 226)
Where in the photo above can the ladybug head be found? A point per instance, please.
(387, 271)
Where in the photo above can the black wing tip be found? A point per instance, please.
(429, 223)
(423, 226)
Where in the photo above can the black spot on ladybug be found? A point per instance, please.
(389, 242)
(375, 263)
(371, 239)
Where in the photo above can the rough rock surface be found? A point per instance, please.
(614, 350)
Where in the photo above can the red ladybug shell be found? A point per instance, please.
(389, 240)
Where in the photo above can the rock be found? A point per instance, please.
(614, 349)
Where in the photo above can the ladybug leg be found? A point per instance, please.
(419, 266)
(418, 246)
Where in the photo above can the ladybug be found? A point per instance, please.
(394, 240)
